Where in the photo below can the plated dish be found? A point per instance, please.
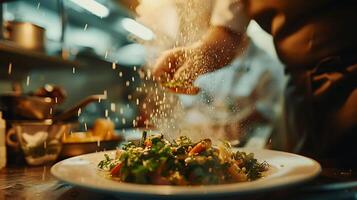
(182, 161)
(284, 169)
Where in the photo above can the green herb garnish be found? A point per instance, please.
(181, 162)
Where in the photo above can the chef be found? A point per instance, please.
(316, 40)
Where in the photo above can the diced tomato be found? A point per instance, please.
(201, 146)
(148, 143)
(116, 170)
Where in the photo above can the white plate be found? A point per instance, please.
(286, 169)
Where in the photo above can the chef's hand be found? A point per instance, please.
(177, 69)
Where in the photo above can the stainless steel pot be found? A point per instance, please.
(26, 35)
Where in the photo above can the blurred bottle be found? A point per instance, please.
(2, 142)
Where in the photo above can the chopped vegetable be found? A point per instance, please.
(116, 170)
(181, 162)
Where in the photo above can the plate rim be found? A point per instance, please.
(195, 190)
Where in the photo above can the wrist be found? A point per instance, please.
(219, 46)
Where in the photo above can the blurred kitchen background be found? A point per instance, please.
(89, 48)
(93, 47)
(56, 53)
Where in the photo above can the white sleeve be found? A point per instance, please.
(231, 14)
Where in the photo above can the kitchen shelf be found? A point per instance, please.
(19, 57)
(23, 61)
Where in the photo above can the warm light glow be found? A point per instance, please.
(93, 7)
(137, 29)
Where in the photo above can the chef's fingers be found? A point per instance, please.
(183, 80)
(168, 63)
(189, 72)
(190, 90)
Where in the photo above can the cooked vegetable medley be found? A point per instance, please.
(181, 162)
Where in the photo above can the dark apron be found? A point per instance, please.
(320, 112)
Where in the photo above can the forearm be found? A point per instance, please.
(219, 47)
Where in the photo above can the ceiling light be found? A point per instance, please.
(93, 6)
(137, 29)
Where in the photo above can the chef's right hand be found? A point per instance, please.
(176, 70)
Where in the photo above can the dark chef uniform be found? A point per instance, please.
(317, 42)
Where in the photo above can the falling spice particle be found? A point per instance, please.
(9, 71)
(73, 70)
(114, 65)
(28, 81)
(112, 107)
(79, 111)
(85, 27)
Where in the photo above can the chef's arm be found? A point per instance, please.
(229, 22)
(181, 66)
(218, 47)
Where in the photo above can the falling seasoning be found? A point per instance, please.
(79, 112)
(27, 80)
(112, 107)
(9, 71)
(134, 123)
